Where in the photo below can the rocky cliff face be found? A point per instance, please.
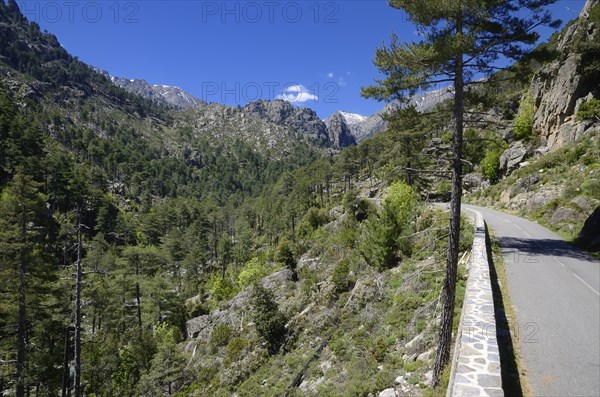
(340, 133)
(165, 94)
(302, 122)
(376, 123)
(562, 86)
(265, 124)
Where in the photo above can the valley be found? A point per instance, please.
(157, 244)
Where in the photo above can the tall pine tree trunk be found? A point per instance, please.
(138, 295)
(22, 324)
(78, 285)
(449, 288)
(65, 379)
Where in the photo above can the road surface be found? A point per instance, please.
(554, 288)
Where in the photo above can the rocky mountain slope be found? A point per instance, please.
(551, 174)
(362, 127)
(226, 254)
(168, 95)
(265, 124)
(561, 87)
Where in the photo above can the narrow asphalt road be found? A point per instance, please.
(554, 288)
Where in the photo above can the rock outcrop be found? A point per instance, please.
(561, 87)
(165, 94)
(512, 157)
(339, 131)
(297, 119)
(263, 124)
(589, 237)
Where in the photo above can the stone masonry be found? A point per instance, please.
(476, 360)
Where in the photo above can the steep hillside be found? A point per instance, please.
(225, 251)
(560, 189)
(142, 223)
(561, 87)
(549, 171)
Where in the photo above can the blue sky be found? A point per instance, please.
(317, 53)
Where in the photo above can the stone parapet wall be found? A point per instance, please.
(476, 361)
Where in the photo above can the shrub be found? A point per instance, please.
(589, 110)
(524, 120)
(383, 236)
(591, 187)
(222, 288)
(378, 244)
(196, 309)
(316, 217)
(234, 349)
(401, 203)
(490, 165)
(284, 254)
(348, 234)
(252, 272)
(270, 322)
(340, 278)
(220, 336)
(361, 209)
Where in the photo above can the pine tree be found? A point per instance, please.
(24, 226)
(462, 41)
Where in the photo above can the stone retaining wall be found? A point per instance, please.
(476, 360)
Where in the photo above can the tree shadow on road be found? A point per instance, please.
(511, 381)
(526, 248)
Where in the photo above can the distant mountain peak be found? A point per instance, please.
(166, 94)
(353, 118)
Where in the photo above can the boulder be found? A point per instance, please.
(388, 393)
(540, 198)
(564, 214)
(525, 184)
(589, 237)
(472, 181)
(585, 204)
(512, 157)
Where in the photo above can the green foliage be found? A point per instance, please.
(401, 204)
(360, 209)
(221, 289)
(235, 348)
(316, 217)
(490, 165)
(587, 45)
(378, 244)
(473, 146)
(467, 233)
(341, 276)
(383, 238)
(523, 126)
(168, 366)
(27, 280)
(591, 187)
(284, 254)
(162, 228)
(220, 336)
(412, 366)
(589, 110)
(270, 322)
(251, 273)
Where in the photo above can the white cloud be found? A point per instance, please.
(342, 82)
(330, 75)
(297, 94)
